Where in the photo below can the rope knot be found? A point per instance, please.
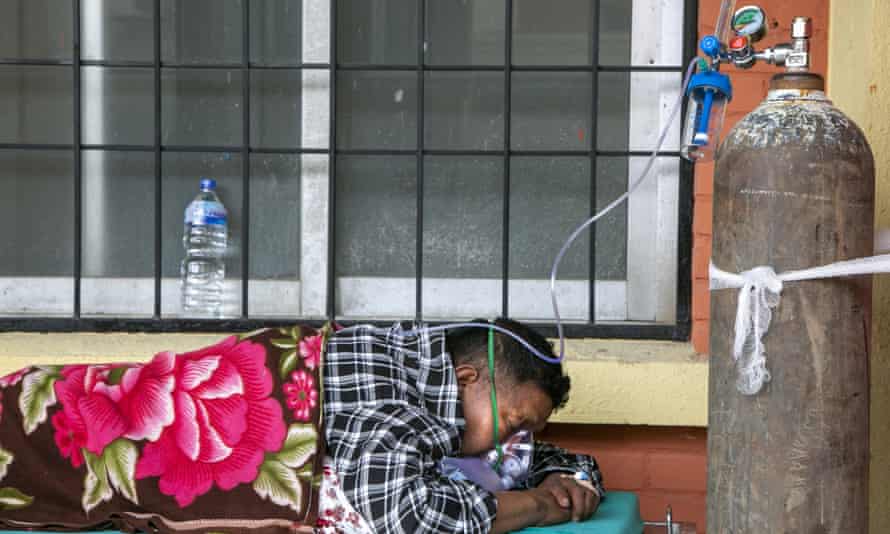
(760, 290)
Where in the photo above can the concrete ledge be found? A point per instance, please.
(613, 381)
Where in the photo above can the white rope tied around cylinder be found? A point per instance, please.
(760, 290)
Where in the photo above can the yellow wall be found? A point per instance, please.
(859, 84)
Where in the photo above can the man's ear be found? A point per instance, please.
(466, 375)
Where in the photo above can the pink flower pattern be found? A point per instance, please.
(225, 422)
(207, 417)
(301, 395)
(137, 407)
(310, 350)
(70, 439)
(13, 378)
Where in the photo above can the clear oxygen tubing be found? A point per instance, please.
(724, 20)
(568, 243)
(633, 187)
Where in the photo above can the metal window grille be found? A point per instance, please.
(160, 323)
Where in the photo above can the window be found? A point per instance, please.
(380, 159)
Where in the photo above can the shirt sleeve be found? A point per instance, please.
(549, 459)
(387, 461)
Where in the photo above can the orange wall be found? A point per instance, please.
(663, 466)
(749, 88)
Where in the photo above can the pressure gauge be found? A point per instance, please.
(750, 22)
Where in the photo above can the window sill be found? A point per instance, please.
(613, 381)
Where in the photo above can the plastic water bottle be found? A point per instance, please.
(205, 237)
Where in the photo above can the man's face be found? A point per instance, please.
(520, 407)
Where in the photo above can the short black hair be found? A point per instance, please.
(470, 346)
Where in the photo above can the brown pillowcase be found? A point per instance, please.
(223, 439)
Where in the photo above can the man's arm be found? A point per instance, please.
(517, 510)
(526, 508)
(387, 460)
(394, 483)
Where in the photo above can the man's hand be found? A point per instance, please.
(550, 511)
(528, 508)
(577, 500)
(558, 499)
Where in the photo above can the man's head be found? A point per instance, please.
(528, 388)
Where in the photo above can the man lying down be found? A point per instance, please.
(397, 404)
(227, 439)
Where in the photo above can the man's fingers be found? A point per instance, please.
(579, 496)
(585, 498)
(584, 508)
(586, 484)
(561, 495)
(591, 502)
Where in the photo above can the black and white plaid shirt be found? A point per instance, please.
(391, 412)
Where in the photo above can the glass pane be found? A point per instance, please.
(289, 108)
(36, 105)
(463, 216)
(549, 198)
(613, 111)
(36, 29)
(181, 175)
(117, 106)
(289, 237)
(642, 32)
(201, 107)
(118, 233)
(275, 214)
(545, 33)
(201, 31)
(375, 235)
(464, 110)
(379, 32)
(463, 222)
(611, 241)
(634, 107)
(551, 111)
(38, 244)
(615, 30)
(376, 110)
(465, 33)
(289, 32)
(611, 230)
(112, 30)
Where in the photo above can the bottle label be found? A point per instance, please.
(205, 212)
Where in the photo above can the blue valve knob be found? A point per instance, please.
(710, 45)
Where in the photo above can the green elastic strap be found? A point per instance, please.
(494, 399)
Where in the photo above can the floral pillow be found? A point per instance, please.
(222, 439)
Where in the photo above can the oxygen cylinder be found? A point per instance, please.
(793, 188)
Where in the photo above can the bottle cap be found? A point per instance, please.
(208, 183)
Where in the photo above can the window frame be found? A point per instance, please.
(677, 331)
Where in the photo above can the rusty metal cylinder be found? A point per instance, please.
(793, 189)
